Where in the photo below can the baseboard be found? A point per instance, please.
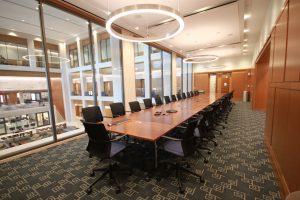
(283, 187)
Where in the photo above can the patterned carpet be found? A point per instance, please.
(238, 168)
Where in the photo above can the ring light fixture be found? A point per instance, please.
(201, 59)
(51, 59)
(144, 9)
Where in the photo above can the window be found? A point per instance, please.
(107, 86)
(88, 82)
(139, 79)
(12, 53)
(156, 74)
(138, 49)
(73, 56)
(184, 77)
(105, 50)
(167, 73)
(75, 84)
(179, 75)
(86, 54)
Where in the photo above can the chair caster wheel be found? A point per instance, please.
(147, 179)
(118, 190)
(202, 180)
(92, 174)
(205, 161)
(89, 191)
(221, 133)
(223, 127)
(188, 166)
(216, 144)
(209, 152)
(181, 191)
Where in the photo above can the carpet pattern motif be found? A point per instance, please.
(238, 168)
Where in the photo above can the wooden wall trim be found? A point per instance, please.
(286, 85)
(226, 71)
(283, 187)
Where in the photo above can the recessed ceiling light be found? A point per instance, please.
(245, 40)
(201, 49)
(67, 19)
(12, 34)
(170, 45)
(222, 46)
(136, 28)
(246, 30)
(245, 45)
(87, 22)
(244, 50)
(22, 20)
(247, 16)
(36, 8)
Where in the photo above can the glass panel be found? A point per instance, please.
(88, 82)
(107, 86)
(156, 74)
(190, 76)
(86, 55)
(179, 75)
(184, 77)
(140, 79)
(75, 84)
(167, 73)
(24, 111)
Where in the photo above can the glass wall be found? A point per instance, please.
(24, 108)
(167, 73)
(179, 75)
(184, 77)
(190, 76)
(156, 72)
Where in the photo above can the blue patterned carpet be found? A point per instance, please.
(238, 168)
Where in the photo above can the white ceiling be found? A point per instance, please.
(217, 31)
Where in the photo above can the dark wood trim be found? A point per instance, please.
(286, 85)
(283, 187)
(226, 71)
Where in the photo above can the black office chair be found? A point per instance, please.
(183, 95)
(148, 103)
(167, 99)
(192, 93)
(178, 96)
(135, 106)
(184, 146)
(92, 114)
(100, 145)
(188, 95)
(117, 109)
(158, 101)
(173, 97)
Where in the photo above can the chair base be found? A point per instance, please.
(111, 171)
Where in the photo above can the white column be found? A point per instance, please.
(129, 73)
(80, 59)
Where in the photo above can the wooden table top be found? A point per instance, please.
(145, 125)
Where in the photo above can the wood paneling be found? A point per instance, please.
(283, 108)
(13, 39)
(39, 45)
(238, 84)
(12, 98)
(201, 82)
(261, 81)
(292, 72)
(58, 95)
(280, 47)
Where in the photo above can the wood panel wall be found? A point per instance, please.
(282, 130)
(201, 82)
(261, 80)
(238, 81)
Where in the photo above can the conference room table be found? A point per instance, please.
(146, 125)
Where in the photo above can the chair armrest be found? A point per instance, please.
(118, 138)
(171, 138)
(181, 127)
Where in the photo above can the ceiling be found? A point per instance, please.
(213, 27)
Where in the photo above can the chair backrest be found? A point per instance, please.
(148, 103)
(167, 99)
(189, 141)
(92, 114)
(117, 109)
(99, 141)
(183, 95)
(135, 106)
(158, 101)
(178, 96)
(173, 97)
(188, 94)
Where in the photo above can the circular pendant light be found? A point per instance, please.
(201, 59)
(51, 60)
(144, 9)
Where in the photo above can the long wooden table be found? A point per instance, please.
(145, 125)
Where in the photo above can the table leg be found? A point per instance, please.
(155, 154)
